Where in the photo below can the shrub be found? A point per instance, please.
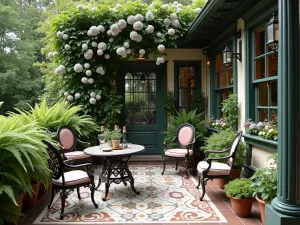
(239, 188)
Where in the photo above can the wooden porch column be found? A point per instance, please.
(285, 208)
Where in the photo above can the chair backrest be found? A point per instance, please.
(55, 161)
(66, 138)
(234, 148)
(185, 134)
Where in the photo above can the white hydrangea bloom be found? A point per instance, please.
(179, 10)
(126, 44)
(171, 31)
(111, 40)
(161, 48)
(77, 95)
(173, 16)
(61, 70)
(66, 94)
(80, 7)
(84, 47)
(89, 33)
(84, 80)
(106, 56)
(122, 24)
(65, 37)
(131, 20)
(93, 94)
(88, 54)
(70, 98)
(88, 73)
(179, 5)
(198, 10)
(149, 29)
(167, 22)
(165, 6)
(158, 34)
(50, 55)
(124, 55)
(142, 51)
(59, 34)
(128, 51)
(102, 46)
(95, 30)
(93, 101)
(99, 69)
(101, 28)
(149, 16)
(87, 65)
(115, 28)
(94, 44)
(160, 59)
(78, 68)
(90, 80)
(139, 38)
(157, 63)
(139, 17)
(67, 47)
(175, 23)
(98, 97)
(133, 35)
(121, 51)
(94, 9)
(55, 54)
(175, 3)
(99, 52)
(138, 25)
(102, 72)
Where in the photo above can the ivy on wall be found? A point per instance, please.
(86, 44)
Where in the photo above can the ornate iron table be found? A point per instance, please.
(115, 165)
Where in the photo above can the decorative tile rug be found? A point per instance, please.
(168, 198)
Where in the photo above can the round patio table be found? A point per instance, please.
(115, 165)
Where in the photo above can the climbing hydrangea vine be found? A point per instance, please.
(88, 43)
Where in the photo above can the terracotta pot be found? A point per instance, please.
(236, 173)
(29, 202)
(43, 189)
(115, 143)
(221, 183)
(20, 200)
(261, 204)
(241, 207)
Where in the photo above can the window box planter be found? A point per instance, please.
(260, 142)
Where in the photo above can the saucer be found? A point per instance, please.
(118, 148)
(106, 149)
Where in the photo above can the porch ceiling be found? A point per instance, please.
(215, 17)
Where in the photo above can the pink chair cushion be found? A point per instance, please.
(76, 155)
(73, 178)
(178, 152)
(215, 169)
(66, 139)
(185, 136)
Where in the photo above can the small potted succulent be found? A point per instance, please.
(240, 193)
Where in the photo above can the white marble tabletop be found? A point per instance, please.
(132, 149)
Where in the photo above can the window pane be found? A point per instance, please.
(218, 63)
(217, 80)
(186, 76)
(273, 92)
(223, 79)
(273, 115)
(260, 42)
(186, 97)
(260, 68)
(220, 97)
(273, 65)
(262, 89)
(262, 114)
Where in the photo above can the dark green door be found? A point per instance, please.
(142, 85)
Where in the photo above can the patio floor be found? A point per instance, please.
(216, 194)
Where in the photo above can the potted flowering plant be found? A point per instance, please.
(266, 129)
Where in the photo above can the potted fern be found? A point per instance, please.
(240, 193)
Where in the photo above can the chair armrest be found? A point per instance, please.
(206, 153)
(75, 166)
(167, 141)
(218, 158)
(83, 142)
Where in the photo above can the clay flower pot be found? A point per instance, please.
(115, 144)
(221, 183)
(29, 202)
(235, 173)
(241, 207)
(261, 204)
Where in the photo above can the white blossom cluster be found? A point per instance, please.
(100, 70)
(52, 55)
(81, 7)
(197, 10)
(67, 47)
(177, 6)
(78, 68)
(149, 16)
(161, 48)
(160, 60)
(171, 32)
(61, 70)
(138, 25)
(149, 29)
(142, 53)
(165, 6)
(62, 35)
(93, 31)
(88, 54)
(135, 36)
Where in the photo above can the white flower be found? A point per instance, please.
(179, 10)
(90, 80)
(179, 5)
(65, 37)
(165, 6)
(98, 97)
(99, 52)
(88, 54)
(167, 22)
(60, 70)
(175, 3)
(128, 51)
(122, 24)
(139, 38)
(160, 59)
(118, 6)
(67, 47)
(94, 9)
(198, 10)
(101, 28)
(121, 51)
(138, 25)
(99, 69)
(126, 44)
(173, 16)
(142, 51)
(139, 17)
(115, 28)
(133, 35)
(70, 98)
(80, 7)
(55, 54)
(171, 31)
(157, 63)
(87, 65)
(124, 55)
(78, 68)
(93, 101)
(175, 23)
(95, 30)
(158, 34)
(161, 48)
(111, 40)
(77, 95)
(50, 55)
(84, 47)
(93, 94)
(94, 44)
(149, 16)
(59, 34)
(102, 46)
(106, 56)
(102, 72)
(89, 33)
(84, 80)
(66, 94)
(88, 73)
(149, 29)
(131, 20)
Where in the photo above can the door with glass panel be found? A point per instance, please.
(142, 85)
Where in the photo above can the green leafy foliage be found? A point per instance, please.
(230, 109)
(239, 188)
(199, 103)
(221, 141)
(115, 134)
(265, 181)
(170, 104)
